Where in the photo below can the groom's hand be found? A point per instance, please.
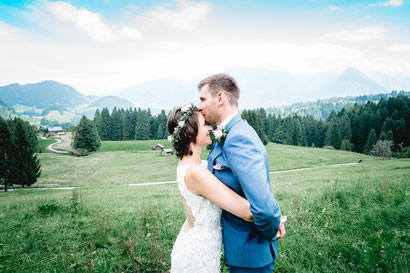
(282, 230)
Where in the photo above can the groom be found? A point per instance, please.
(240, 161)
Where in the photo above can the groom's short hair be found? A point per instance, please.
(222, 82)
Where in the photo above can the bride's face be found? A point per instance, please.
(203, 137)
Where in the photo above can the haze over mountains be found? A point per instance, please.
(259, 88)
(263, 88)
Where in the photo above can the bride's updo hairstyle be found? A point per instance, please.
(182, 126)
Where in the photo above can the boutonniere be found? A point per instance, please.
(220, 133)
(218, 167)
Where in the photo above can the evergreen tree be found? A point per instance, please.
(345, 127)
(297, 133)
(142, 128)
(97, 119)
(254, 120)
(25, 167)
(116, 123)
(346, 146)
(333, 135)
(162, 124)
(371, 140)
(128, 126)
(85, 136)
(105, 125)
(284, 134)
(4, 152)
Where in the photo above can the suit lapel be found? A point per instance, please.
(233, 121)
(217, 148)
(215, 152)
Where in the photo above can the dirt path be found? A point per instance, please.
(50, 147)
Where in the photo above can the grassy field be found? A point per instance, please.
(351, 218)
(43, 144)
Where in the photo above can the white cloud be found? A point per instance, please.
(130, 33)
(85, 21)
(361, 34)
(186, 16)
(392, 3)
(400, 48)
(334, 8)
(90, 23)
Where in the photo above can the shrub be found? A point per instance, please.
(382, 149)
(327, 147)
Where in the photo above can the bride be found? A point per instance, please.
(199, 243)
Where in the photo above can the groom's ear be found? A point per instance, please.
(221, 98)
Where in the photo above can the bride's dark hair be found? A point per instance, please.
(188, 133)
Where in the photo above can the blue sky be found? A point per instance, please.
(98, 46)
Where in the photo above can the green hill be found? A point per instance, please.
(321, 109)
(42, 95)
(5, 111)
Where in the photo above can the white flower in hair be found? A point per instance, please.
(170, 138)
(181, 124)
(186, 107)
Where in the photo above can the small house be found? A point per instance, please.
(55, 130)
(158, 147)
(167, 152)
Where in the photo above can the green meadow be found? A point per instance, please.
(341, 218)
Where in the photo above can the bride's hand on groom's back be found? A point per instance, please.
(282, 230)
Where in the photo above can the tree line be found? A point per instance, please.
(322, 108)
(19, 164)
(354, 129)
(130, 124)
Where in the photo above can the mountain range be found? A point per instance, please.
(259, 88)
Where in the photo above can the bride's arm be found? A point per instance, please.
(202, 182)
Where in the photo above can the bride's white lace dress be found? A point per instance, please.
(199, 248)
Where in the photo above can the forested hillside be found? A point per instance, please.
(321, 109)
(359, 126)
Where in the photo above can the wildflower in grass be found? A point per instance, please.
(381, 251)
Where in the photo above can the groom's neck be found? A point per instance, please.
(227, 113)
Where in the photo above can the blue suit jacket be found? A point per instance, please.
(246, 171)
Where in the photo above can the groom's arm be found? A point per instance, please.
(248, 165)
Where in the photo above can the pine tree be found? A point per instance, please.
(97, 119)
(25, 167)
(105, 125)
(346, 146)
(85, 137)
(4, 152)
(254, 120)
(142, 128)
(116, 125)
(333, 135)
(297, 133)
(371, 140)
(345, 127)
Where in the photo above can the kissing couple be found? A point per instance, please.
(230, 200)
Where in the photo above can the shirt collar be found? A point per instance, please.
(227, 120)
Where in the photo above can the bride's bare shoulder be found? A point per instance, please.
(196, 172)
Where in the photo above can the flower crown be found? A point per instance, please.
(186, 111)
